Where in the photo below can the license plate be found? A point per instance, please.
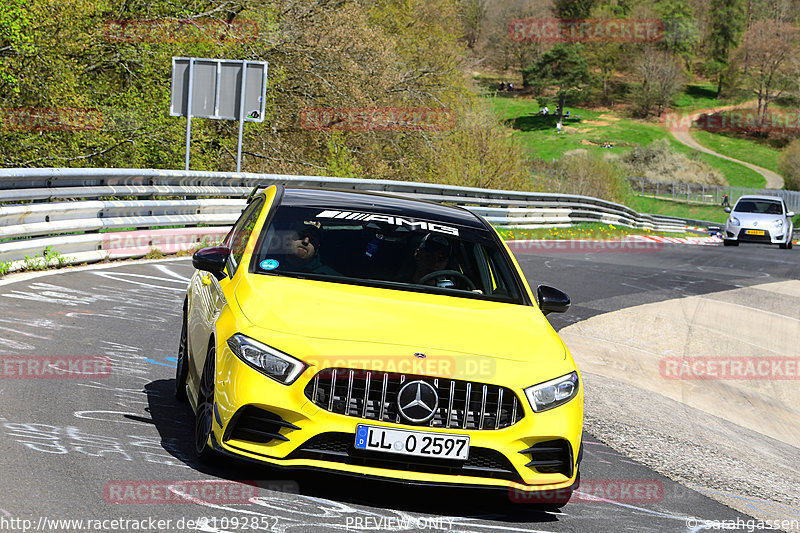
(409, 442)
(754, 232)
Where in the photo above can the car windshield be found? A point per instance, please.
(764, 207)
(386, 250)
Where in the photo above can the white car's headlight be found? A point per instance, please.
(267, 360)
(777, 224)
(734, 221)
(553, 393)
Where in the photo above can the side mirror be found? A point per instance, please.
(727, 209)
(212, 259)
(790, 214)
(552, 300)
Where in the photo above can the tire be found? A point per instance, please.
(783, 246)
(182, 369)
(727, 242)
(204, 418)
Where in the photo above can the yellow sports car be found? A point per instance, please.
(375, 335)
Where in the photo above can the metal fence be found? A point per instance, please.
(64, 216)
(701, 194)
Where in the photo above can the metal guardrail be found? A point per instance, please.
(81, 212)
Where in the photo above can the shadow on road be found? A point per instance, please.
(175, 424)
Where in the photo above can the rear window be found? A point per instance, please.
(764, 207)
(386, 250)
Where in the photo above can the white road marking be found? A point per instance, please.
(168, 271)
(121, 276)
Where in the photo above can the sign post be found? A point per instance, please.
(221, 89)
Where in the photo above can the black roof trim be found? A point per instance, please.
(382, 203)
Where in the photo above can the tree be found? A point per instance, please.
(573, 9)
(680, 29)
(789, 165)
(563, 68)
(661, 74)
(15, 38)
(767, 55)
(473, 15)
(727, 21)
(495, 46)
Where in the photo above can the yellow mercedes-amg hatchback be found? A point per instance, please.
(380, 336)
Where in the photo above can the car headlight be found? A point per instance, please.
(777, 224)
(553, 393)
(734, 221)
(269, 361)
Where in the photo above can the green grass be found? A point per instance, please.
(593, 231)
(704, 96)
(743, 149)
(736, 174)
(677, 209)
(587, 129)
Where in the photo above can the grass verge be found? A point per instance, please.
(582, 231)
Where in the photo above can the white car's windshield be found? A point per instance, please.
(765, 207)
(387, 250)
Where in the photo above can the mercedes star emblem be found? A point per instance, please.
(417, 401)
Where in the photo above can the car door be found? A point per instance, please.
(207, 297)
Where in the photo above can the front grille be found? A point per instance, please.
(373, 396)
(551, 457)
(256, 425)
(338, 448)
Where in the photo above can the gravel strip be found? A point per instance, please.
(732, 464)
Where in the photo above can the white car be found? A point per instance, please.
(763, 219)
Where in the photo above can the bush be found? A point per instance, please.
(659, 162)
(586, 174)
(789, 165)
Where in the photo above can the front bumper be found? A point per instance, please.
(294, 432)
(742, 234)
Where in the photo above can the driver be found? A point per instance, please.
(303, 244)
(432, 254)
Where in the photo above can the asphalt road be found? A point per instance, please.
(68, 444)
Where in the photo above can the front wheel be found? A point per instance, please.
(727, 242)
(182, 369)
(204, 418)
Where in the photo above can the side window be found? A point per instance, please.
(241, 232)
